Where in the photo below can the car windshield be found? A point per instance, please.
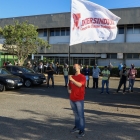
(27, 70)
(4, 71)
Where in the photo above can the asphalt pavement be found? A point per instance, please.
(39, 113)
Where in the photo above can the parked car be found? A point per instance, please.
(29, 76)
(9, 81)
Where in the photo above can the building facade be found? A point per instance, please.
(55, 28)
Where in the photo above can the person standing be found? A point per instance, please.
(76, 90)
(50, 71)
(66, 71)
(95, 74)
(57, 69)
(105, 79)
(86, 72)
(123, 79)
(41, 67)
(120, 66)
(132, 75)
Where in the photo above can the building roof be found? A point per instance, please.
(58, 20)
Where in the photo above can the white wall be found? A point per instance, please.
(119, 39)
(59, 39)
(136, 62)
(133, 38)
(44, 38)
(105, 62)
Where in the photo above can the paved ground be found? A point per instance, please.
(39, 113)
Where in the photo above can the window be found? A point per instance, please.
(62, 31)
(80, 61)
(136, 29)
(8, 68)
(15, 70)
(86, 62)
(74, 61)
(62, 61)
(51, 32)
(57, 32)
(45, 32)
(113, 55)
(135, 55)
(66, 60)
(67, 31)
(129, 55)
(40, 33)
(130, 29)
(121, 30)
(56, 60)
(92, 62)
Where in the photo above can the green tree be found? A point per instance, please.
(21, 39)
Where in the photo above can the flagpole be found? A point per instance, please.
(69, 57)
(69, 41)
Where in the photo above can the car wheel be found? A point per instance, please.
(28, 83)
(2, 87)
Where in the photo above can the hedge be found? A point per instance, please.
(114, 71)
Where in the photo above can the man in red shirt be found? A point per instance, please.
(76, 90)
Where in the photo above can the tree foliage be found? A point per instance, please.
(21, 39)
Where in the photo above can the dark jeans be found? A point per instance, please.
(131, 84)
(95, 82)
(66, 80)
(122, 82)
(78, 110)
(103, 84)
(41, 70)
(52, 78)
(87, 83)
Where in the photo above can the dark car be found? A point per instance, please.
(29, 76)
(9, 81)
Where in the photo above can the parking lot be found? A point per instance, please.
(41, 113)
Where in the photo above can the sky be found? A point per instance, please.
(16, 8)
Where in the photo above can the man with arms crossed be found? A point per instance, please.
(76, 90)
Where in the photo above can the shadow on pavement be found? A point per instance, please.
(58, 129)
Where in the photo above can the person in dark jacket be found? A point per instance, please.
(86, 72)
(123, 79)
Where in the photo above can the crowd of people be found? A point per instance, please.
(125, 74)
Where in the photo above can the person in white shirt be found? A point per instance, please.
(95, 74)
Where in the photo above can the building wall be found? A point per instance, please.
(128, 16)
(105, 62)
(59, 39)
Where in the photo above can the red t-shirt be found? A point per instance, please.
(77, 93)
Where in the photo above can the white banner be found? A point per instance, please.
(91, 22)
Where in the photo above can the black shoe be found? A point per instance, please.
(108, 93)
(74, 130)
(81, 134)
(101, 93)
(131, 90)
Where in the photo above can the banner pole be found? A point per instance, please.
(69, 57)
